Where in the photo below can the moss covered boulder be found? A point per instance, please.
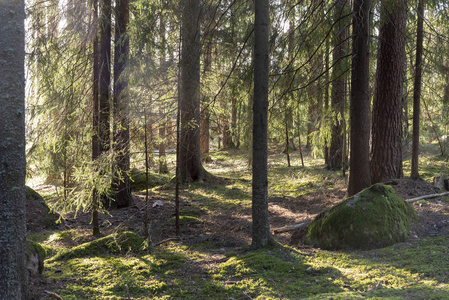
(35, 258)
(138, 179)
(376, 217)
(39, 216)
(116, 243)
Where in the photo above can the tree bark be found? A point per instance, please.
(13, 271)
(359, 177)
(190, 168)
(386, 151)
(338, 86)
(95, 116)
(261, 235)
(163, 168)
(105, 74)
(122, 187)
(417, 91)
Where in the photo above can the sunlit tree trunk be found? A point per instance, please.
(13, 270)
(122, 187)
(417, 91)
(386, 151)
(95, 116)
(261, 235)
(162, 113)
(360, 99)
(190, 168)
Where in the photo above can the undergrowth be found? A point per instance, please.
(120, 266)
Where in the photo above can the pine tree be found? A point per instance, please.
(386, 150)
(261, 234)
(13, 271)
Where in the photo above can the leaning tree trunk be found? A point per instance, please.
(360, 101)
(13, 270)
(122, 187)
(386, 151)
(261, 235)
(190, 168)
(417, 91)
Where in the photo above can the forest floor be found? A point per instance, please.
(212, 260)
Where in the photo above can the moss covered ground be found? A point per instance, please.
(212, 259)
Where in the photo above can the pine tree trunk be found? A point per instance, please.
(386, 151)
(122, 187)
(105, 74)
(359, 177)
(190, 168)
(261, 235)
(163, 168)
(95, 117)
(338, 86)
(13, 270)
(417, 91)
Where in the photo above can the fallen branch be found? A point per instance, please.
(426, 197)
(172, 239)
(289, 228)
(54, 295)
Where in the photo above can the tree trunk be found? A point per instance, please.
(386, 151)
(163, 168)
(360, 101)
(105, 74)
(326, 107)
(338, 86)
(417, 91)
(13, 270)
(261, 235)
(190, 168)
(95, 117)
(122, 187)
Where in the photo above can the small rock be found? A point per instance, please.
(158, 203)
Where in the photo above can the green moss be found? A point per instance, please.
(138, 179)
(36, 247)
(186, 219)
(375, 217)
(116, 243)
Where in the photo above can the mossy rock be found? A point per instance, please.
(117, 243)
(38, 212)
(35, 258)
(376, 217)
(138, 179)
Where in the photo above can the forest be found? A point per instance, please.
(224, 149)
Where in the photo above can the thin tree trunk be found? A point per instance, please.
(123, 197)
(105, 74)
(360, 102)
(417, 91)
(104, 80)
(163, 168)
(146, 228)
(287, 145)
(13, 269)
(338, 86)
(261, 234)
(95, 118)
